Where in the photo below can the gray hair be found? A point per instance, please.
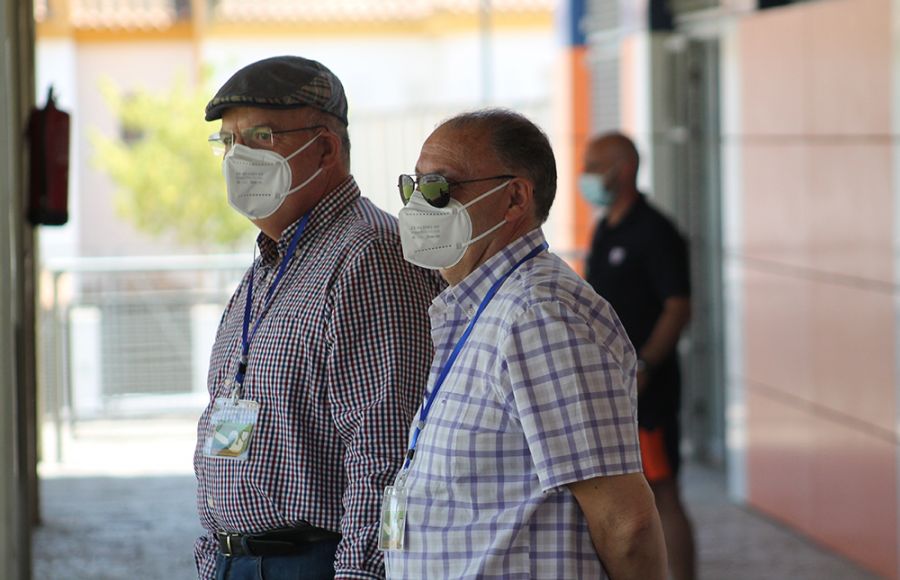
(337, 127)
(520, 145)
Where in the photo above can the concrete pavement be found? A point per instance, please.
(120, 506)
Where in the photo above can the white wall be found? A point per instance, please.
(400, 89)
(404, 86)
(410, 72)
(131, 66)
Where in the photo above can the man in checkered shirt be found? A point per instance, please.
(313, 380)
(527, 463)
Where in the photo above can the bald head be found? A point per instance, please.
(519, 145)
(610, 174)
(613, 153)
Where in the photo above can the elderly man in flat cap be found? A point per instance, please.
(323, 350)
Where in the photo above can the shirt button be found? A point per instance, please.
(471, 311)
(210, 502)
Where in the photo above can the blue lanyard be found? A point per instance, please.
(246, 334)
(445, 370)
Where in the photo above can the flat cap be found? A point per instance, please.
(281, 82)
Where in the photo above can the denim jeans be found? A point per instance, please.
(314, 562)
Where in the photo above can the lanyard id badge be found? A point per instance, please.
(233, 420)
(231, 426)
(393, 519)
(393, 506)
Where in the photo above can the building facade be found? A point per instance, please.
(769, 131)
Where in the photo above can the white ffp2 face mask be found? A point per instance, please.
(437, 237)
(259, 180)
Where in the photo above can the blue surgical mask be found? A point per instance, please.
(594, 191)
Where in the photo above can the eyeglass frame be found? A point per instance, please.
(220, 148)
(444, 198)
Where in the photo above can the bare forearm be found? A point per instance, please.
(667, 330)
(624, 525)
(638, 554)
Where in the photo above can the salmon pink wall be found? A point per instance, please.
(819, 321)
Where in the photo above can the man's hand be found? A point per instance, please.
(663, 339)
(624, 525)
(643, 378)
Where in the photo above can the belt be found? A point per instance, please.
(280, 542)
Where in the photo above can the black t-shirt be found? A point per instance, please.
(636, 266)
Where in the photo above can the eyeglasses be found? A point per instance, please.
(253, 137)
(435, 188)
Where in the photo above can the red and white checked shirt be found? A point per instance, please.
(339, 365)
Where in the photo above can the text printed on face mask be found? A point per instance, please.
(249, 177)
(426, 231)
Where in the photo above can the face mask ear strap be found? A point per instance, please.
(302, 185)
(303, 148)
(486, 233)
(487, 193)
(311, 177)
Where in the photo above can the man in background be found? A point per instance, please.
(638, 262)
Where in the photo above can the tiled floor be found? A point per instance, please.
(736, 543)
(121, 507)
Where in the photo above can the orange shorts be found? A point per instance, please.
(654, 455)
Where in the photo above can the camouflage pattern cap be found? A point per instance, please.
(281, 82)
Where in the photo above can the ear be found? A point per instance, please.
(330, 146)
(631, 169)
(521, 200)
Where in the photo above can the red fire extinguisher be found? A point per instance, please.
(48, 189)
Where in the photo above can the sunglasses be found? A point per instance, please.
(435, 188)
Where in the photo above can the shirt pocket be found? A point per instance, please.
(486, 442)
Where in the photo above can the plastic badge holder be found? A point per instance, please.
(393, 519)
(231, 428)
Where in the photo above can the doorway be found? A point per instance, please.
(697, 207)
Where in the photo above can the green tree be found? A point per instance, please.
(168, 181)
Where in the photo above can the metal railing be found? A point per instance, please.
(129, 336)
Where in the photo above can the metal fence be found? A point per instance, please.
(130, 336)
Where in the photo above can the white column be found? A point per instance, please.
(86, 361)
(735, 406)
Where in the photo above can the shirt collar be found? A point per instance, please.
(639, 203)
(474, 287)
(321, 216)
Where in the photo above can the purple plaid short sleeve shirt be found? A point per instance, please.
(542, 395)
